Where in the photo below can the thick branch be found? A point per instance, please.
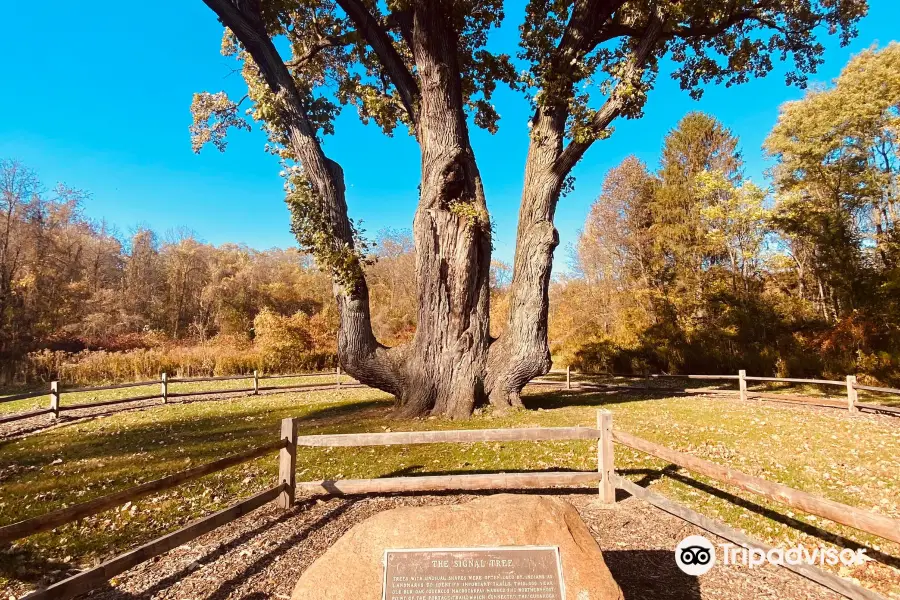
(359, 351)
(706, 29)
(390, 59)
(617, 99)
(249, 29)
(579, 37)
(588, 16)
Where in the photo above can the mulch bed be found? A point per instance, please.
(263, 554)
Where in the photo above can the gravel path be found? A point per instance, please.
(262, 555)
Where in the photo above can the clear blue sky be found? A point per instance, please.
(97, 95)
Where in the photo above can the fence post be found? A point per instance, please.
(338, 384)
(742, 383)
(605, 460)
(568, 377)
(255, 382)
(287, 463)
(164, 387)
(54, 398)
(852, 394)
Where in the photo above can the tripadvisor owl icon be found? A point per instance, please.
(695, 555)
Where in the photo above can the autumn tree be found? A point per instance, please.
(426, 65)
(837, 185)
(670, 262)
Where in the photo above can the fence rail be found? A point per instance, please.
(794, 380)
(850, 516)
(286, 489)
(56, 406)
(116, 386)
(872, 388)
(93, 578)
(850, 384)
(56, 391)
(24, 396)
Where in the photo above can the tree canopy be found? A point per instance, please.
(427, 65)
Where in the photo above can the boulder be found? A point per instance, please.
(352, 569)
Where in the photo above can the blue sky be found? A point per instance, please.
(97, 95)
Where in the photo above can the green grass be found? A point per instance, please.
(853, 460)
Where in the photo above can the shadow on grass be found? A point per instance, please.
(201, 438)
(671, 471)
(342, 411)
(568, 398)
(25, 565)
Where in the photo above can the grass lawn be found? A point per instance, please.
(854, 460)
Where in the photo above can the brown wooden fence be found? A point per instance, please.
(849, 385)
(56, 405)
(287, 489)
(56, 393)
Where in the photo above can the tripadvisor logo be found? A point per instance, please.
(695, 555)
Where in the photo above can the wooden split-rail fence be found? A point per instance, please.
(56, 405)
(850, 386)
(56, 392)
(286, 491)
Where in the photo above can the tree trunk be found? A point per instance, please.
(445, 362)
(523, 352)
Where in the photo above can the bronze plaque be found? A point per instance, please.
(513, 573)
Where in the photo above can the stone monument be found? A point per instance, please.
(500, 547)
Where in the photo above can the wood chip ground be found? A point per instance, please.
(262, 555)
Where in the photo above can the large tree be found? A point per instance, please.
(425, 64)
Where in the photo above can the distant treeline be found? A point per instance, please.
(79, 300)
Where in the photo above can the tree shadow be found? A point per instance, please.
(25, 565)
(613, 395)
(671, 471)
(343, 410)
(201, 437)
(650, 574)
(264, 561)
(227, 587)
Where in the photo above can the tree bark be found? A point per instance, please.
(523, 352)
(442, 370)
(445, 362)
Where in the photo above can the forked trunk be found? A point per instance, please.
(444, 370)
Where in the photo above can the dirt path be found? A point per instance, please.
(263, 554)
